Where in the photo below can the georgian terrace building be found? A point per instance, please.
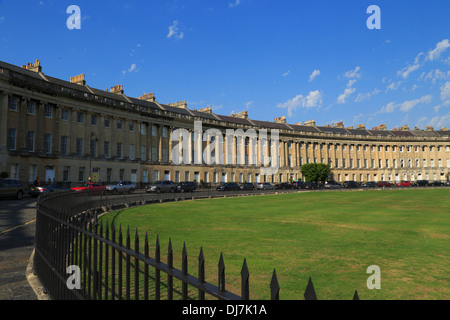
(70, 132)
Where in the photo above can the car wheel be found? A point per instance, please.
(130, 191)
(19, 195)
(172, 190)
(158, 191)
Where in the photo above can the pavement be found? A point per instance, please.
(17, 231)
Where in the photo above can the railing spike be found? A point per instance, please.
(356, 296)
(221, 274)
(245, 287)
(310, 293)
(274, 287)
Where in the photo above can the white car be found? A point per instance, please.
(121, 187)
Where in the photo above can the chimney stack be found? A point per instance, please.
(148, 97)
(78, 80)
(36, 67)
(117, 89)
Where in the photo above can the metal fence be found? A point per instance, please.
(110, 264)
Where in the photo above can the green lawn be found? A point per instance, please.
(331, 237)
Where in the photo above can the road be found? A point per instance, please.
(17, 231)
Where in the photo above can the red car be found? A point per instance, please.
(384, 184)
(404, 184)
(92, 188)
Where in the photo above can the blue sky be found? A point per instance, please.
(300, 59)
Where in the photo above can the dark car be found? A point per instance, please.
(228, 186)
(36, 191)
(299, 185)
(332, 185)
(436, 184)
(265, 186)
(313, 185)
(351, 184)
(370, 184)
(422, 183)
(284, 185)
(382, 184)
(186, 186)
(162, 186)
(247, 186)
(11, 188)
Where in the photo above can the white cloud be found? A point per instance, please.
(132, 68)
(361, 97)
(435, 75)
(314, 99)
(404, 106)
(405, 72)
(235, 4)
(347, 92)
(435, 53)
(409, 105)
(313, 75)
(393, 86)
(353, 73)
(174, 31)
(445, 91)
(286, 73)
(440, 121)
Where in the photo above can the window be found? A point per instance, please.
(165, 157)
(12, 133)
(30, 141)
(66, 174)
(13, 103)
(64, 115)
(48, 143)
(49, 111)
(81, 174)
(119, 124)
(119, 150)
(31, 107)
(93, 120)
(64, 140)
(106, 149)
(143, 158)
(106, 122)
(154, 131)
(164, 132)
(131, 126)
(131, 151)
(79, 147)
(93, 148)
(154, 154)
(80, 117)
(143, 129)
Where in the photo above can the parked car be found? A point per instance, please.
(161, 186)
(11, 188)
(332, 185)
(121, 187)
(313, 185)
(403, 184)
(186, 186)
(422, 183)
(284, 185)
(299, 184)
(36, 191)
(351, 184)
(436, 183)
(247, 186)
(265, 186)
(228, 186)
(382, 184)
(92, 188)
(370, 184)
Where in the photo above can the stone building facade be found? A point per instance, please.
(70, 132)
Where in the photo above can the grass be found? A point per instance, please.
(332, 237)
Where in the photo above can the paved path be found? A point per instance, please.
(17, 228)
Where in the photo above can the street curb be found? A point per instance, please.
(34, 281)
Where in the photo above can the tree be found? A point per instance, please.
(316, 172)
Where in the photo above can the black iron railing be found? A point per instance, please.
(110, 264)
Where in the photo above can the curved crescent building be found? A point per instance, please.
(70, 132)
